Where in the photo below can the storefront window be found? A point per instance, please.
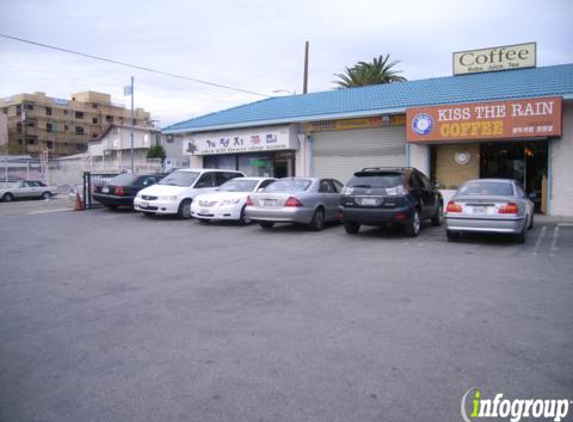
(256, 165)
(224, 162)
(253, 165)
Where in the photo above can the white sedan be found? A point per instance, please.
(229, 201)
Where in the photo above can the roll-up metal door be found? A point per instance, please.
(339, 154)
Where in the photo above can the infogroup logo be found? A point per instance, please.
(474, 407)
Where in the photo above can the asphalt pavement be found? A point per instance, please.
(113, 316)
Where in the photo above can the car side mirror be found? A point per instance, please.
(260, 189)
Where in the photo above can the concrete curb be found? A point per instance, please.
(556, 219)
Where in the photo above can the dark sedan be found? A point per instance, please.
(120, 190)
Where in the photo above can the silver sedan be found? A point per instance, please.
(305, 200)
(489, 205)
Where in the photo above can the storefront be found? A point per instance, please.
(258, 152)
(508, 119)
(501, 139)
(342, 147)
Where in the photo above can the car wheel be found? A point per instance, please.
(184, 211)
(438, 219)
(243, 219)
(530, 222)
(8, 197)
(351, 228)
(46, 195)
(266, 225)
(413, 227)
(520, 237)
(317, 222)
(451, 235)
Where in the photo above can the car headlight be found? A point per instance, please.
(229, 202)
(169, 198)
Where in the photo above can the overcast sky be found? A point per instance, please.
(255, 45)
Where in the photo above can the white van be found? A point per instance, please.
(174, 193)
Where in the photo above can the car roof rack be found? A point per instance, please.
(386, 168)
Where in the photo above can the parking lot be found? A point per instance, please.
(113, 316)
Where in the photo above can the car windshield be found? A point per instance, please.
(180, 178)
(238, 185)
(484, 188)
(376, 180)
(123, 179)
(289, 185)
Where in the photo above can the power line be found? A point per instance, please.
(147, 69)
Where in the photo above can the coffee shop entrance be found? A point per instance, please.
(501, 139)
(522, 161)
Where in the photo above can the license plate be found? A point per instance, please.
(269, 202)
(104, 190)
(204, 212)
(369, 201)
(143, 205)
(479, 210)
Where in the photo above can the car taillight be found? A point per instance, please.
(119, 190)
(293, 202)
(453, 207)
(249, 201)
(510, 208)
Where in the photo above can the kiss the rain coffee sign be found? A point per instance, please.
(532, 118)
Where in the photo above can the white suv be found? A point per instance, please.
(174, 193)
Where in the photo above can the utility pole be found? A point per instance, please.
(305, 80)
(132, 125)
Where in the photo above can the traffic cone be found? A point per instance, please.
(79, 204)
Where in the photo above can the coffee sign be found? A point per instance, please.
(531, 118)
(497, 58)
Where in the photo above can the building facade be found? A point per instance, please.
(112, 150)
(513, 123)
(63, 127)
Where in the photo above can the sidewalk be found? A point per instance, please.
(553, 219)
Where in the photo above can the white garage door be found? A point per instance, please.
(339, 154)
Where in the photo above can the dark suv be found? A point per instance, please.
(379, 196)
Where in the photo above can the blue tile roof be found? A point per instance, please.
(388, 98)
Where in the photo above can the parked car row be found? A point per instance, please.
(372, 197)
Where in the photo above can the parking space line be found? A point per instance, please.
(49, 211)
(539, 240)
(553, 249)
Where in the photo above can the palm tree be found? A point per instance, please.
(379, 71)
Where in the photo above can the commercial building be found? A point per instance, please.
(511, 123)
(37, 122)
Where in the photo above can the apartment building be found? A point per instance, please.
(37, 122)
